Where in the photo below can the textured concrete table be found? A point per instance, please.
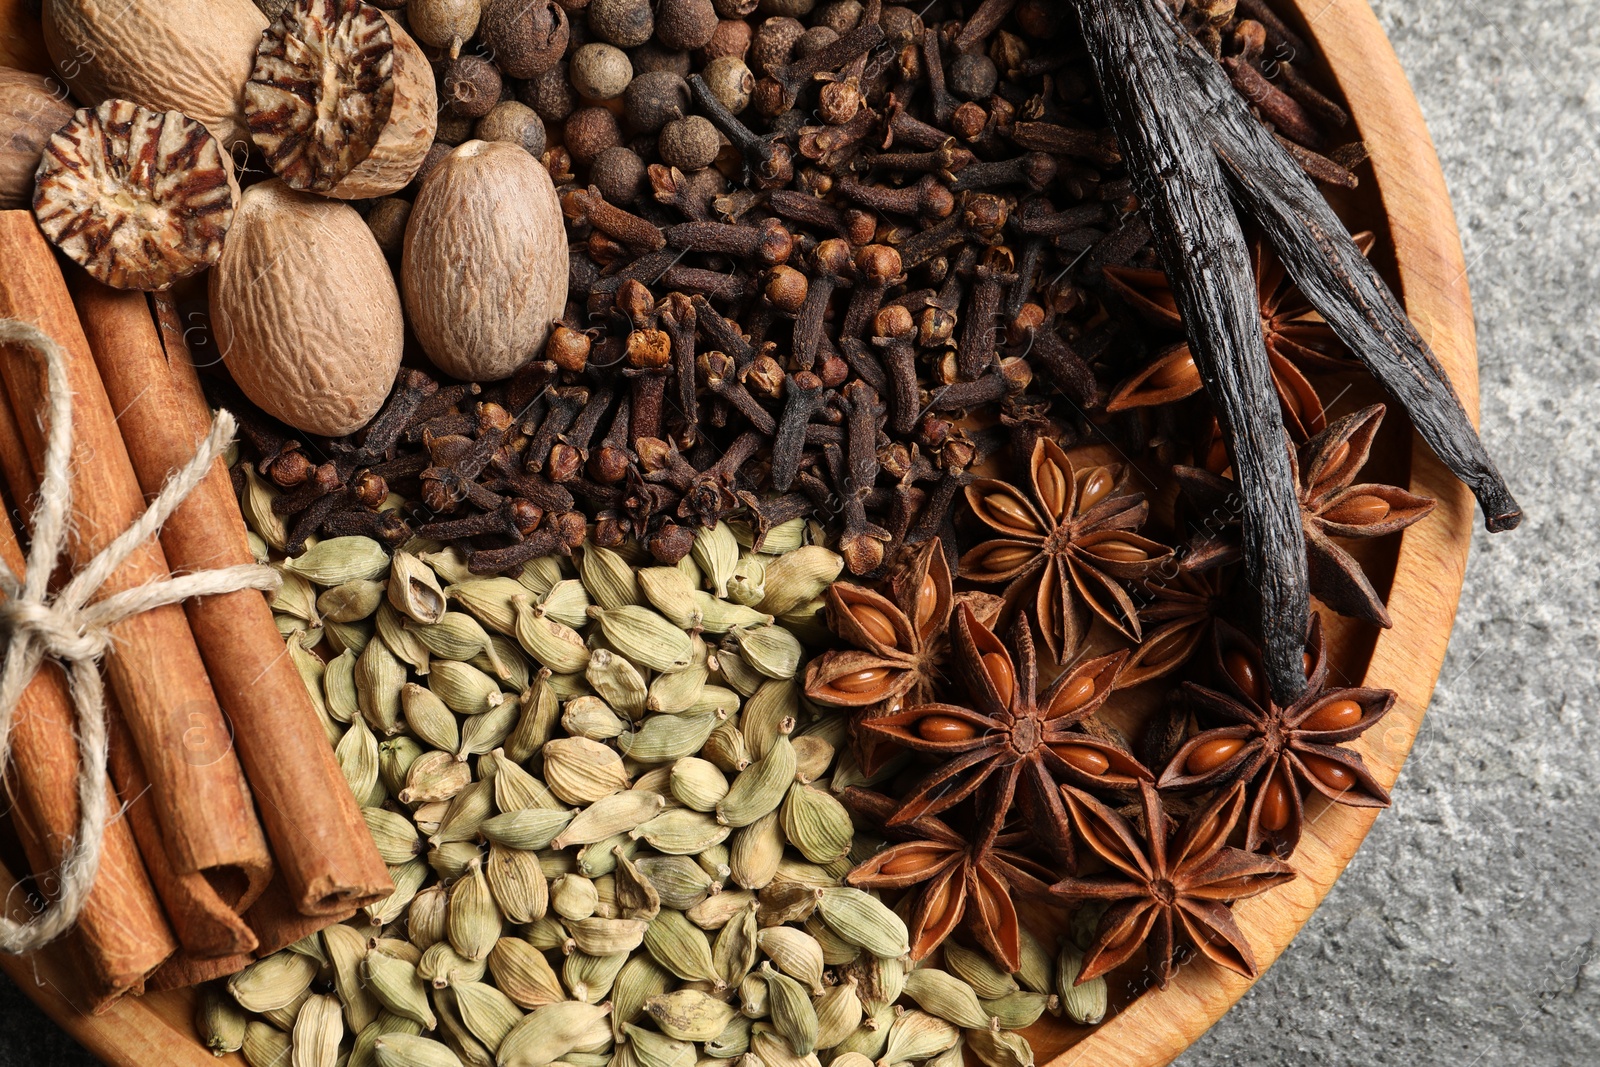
(1465, 930)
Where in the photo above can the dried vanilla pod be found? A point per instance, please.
(140, 199)
(341, 101)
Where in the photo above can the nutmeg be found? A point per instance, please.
(32, 107)
(191, 56)
(485, 263)
(527, 37)
(305, 310)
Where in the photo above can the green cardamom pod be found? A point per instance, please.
(801, 575)
(428, 718)
(679, 691)
(756, 852)
(716, 551)
(838, 1014)
(608, 577)
(482, 734)
(682, 948)
(546, 934)
(458, 636)
(515, 789)
(474, 923)
(425, 922)
(219, 1021)
(454, 1033)
(464, 689)
(390, 627)
(590, 978)
(351, 601)
(448, 562)
(813, 756)
(441, 966)
(862, 919)
(408, 1050)
(255, 501)
(339, 687)
(765, 711)
(591, 717)
(264, 1045)
(867, 1040)
(650, 1049)
(548, 1033)
(490, 601)
(567, 601)
(539, 576)
(393, 834)
(489, 1015)
(792, 1012)
(407, 879)
(398, 988)
(722, 616)
(517, 883)
(678, 881)
(795, 953)
(733, 1042)
(787, 902)
(640, 979)
(754, 997)
(600, 858)
(760, 787)
(414, 589)
(522, 973)
(465, 816)
(817, 824)
(379, 679)
(529, 829)
(727, 749)
(942, 994)
(808, 622)
(618, 681)
(573, 896)
(771, 650)
(434, 776)
(917, 1035)
(357, 753)
(672, 593)
(350, 637)
(978, 971)
(736, 947)
(698, 784)
(272, 981)
(737, 672)
(452, 859)
(1020, 1010)
(553, 644)
(1000, 1048)
(681, 832)
(538, 708)
(295, 598)
(668, 738)
(504, 658)
(689, 1014)
(1037, 967)
(609, 816)
(748, 586)
(1084, 1003)
(395, 758)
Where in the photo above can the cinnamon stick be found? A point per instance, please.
(121, 930)
(154, 669)
(323, 849)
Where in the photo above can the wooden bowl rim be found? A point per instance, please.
(1428, 576)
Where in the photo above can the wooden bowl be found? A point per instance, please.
(1404, 201)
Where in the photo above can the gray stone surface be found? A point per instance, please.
(1464, 932)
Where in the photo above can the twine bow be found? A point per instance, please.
(66, 628)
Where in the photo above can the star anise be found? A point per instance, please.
(1278, 752)
(1012, 735)
(898, 644)
(1067, 541)
(1181, 610)
(1297, 337)
(1166, 891)
(955, 882)
(1330, 506)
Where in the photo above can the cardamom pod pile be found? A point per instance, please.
(610, 814)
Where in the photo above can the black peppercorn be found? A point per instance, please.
(471, 86)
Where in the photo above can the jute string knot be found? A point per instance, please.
(65, 627)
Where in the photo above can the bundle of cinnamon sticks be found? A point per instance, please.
(239, 834)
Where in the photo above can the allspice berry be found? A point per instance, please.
(685, 23)
(973, 76)
(901, 25)
(590, 131)
(840, 16)
(774, 44)
(689, 143)
(550, 94)
(443, 23)
(624, 23)
(734, 9)
(653, 55)
(619, 174)
(600, 71)
(814, 39)
(731, 82)
(527, 37)
(791, 8)
(515, 123)
(731, 38)
(471, 86)
(453, 129)
(654, 99)
(387, 221)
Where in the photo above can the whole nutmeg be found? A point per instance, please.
(653, 55)
(619, 174)
(434, 157)
(652, 100)
(731, 38)
(32, 107)
(305, 310)
(840, 16)
(471, 86)
(731, 82)
(387, 221)
(190, 56)
(444, 24)
(485, 264)
(527, 37)
(600, 71)
(774, 44)
(624, 23)
(590, 131)
(514, 123)
(791, 8)
(689, 143)
(973, 76)
(550, 94)
(685, 24)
